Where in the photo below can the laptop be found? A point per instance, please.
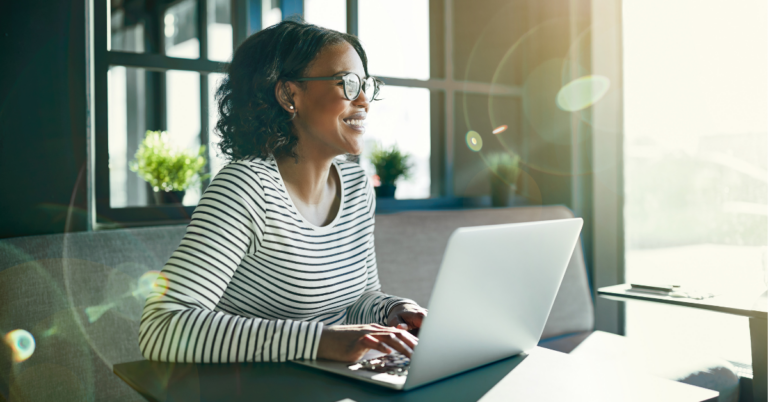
(499, 282)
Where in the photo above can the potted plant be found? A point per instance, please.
(390, 164)
(504, 171)
(169, 170)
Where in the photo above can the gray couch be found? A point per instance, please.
(76, 294)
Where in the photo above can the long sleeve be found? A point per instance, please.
(179, 323)
(373, 306)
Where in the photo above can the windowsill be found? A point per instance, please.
(391, 205)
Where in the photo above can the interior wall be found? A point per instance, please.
(42, 117)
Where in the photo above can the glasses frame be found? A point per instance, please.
(377, 83)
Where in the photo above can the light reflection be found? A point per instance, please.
(500, 129)
(22, 344)
(151, 282)
(474, 141)
(95, 312)
(582, 92)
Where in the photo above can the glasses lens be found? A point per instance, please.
(371, 88)
(351, 86)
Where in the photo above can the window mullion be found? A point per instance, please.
(450, 96)
(352, 17)
(204, 123)
(202, 27)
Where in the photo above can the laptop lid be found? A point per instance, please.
(492, 297)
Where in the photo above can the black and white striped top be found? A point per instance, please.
(252, 280)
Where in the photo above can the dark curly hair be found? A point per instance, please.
(252, 122)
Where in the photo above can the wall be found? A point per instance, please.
(42, 117)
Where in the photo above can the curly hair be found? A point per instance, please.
(252, 123)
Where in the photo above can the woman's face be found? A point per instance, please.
(326, 121)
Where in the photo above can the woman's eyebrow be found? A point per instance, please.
(342, 72)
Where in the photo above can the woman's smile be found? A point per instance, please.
(356, 122)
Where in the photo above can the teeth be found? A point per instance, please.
(353, 122)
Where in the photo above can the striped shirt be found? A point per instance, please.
(252, 280)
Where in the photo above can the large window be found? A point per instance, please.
(403, 117)
(695, 164)
(157, 65)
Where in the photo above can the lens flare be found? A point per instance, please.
(151, 282)
(474, 141)
(95, 312)
(22, 344)
(582, 92)
(500, 129)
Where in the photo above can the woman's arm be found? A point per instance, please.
(179, 324)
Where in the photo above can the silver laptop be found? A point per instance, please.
(500, 282)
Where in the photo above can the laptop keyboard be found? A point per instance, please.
(393, 364)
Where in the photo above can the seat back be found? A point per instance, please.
(76, 294)
(410, 247)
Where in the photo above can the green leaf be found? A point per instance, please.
(390, 163)
(165, 166)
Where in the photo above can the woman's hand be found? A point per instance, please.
(348, 343)
(406, 316)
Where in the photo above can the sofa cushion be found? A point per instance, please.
(410, 247)
(76, 294)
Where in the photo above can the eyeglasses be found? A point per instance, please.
(352, 85)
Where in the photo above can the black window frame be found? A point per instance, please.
(246, 19)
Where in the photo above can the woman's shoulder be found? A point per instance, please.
(253, 167)
(352, 174)
(250, 174)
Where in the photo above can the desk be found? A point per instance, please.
(756, 308)
(542, 375)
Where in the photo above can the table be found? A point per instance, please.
(755, 308)
(540, 375)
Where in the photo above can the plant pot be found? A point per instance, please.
(168, 197)
(500, 192)
(385, 190)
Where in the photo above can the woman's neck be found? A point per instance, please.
(310, 180)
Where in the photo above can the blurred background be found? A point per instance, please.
(649, 119)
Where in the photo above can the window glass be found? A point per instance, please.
(475, 143)
(270, 13)
(327, 13)
(125, 28)
(402, 52)
(214, 155)
(695, 169)
(180, 30)
(219, 30)
(127, 125)
(402, 118)
(183, 116)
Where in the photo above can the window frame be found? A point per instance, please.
(101, 214)
(246, 19)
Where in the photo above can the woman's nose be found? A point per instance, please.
(362, 100)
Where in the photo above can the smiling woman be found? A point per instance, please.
(278, 262)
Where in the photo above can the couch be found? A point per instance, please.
(78, 295)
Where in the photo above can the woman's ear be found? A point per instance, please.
(284, 92)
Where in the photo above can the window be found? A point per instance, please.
(695, 168)
(154, 70)
(402, 118)
(158, 63)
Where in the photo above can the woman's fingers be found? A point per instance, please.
(414, 319)
(370, 342)
(394, 342)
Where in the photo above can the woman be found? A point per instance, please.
(278, 262)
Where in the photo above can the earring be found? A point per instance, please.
(290, 107)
